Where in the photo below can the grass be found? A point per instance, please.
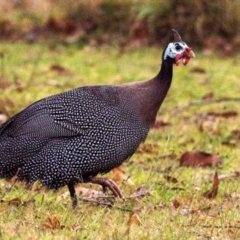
(172, 210)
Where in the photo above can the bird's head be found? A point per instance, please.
(178, 50)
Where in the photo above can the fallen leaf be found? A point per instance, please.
(213, 192)
(55, 223)
(176, 203)
(226, 114)
(160, 125)
(199, 159)
(135, 220)
(119, 175)
(15, 202)
(52, 223)
(237, 173)
(60, 70)
(170, 179)
(208, 95)
(177, 188)
(198, 70)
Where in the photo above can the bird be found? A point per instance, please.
(73, 136)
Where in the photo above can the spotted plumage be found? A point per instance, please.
(73, 136)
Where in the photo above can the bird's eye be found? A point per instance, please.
(178, 47)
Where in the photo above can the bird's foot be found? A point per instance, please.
(108, 183)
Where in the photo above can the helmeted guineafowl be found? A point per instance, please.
(73, 136)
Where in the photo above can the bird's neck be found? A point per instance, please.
(164, 76)
(153, 92)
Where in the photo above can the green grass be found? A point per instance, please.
(195, 217)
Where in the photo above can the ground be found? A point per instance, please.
(163, 199)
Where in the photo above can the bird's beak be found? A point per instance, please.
(185, 56)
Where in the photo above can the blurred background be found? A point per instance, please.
(202, 23)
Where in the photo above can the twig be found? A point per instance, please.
(108, 204)
(141, 193)
(215, 226)
(177, 110)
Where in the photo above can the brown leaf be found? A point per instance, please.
(198, 70)
(135, 220)
(208, 95)
(213, 192)
(237, 173)
(199, 159)
(176, 203)
(60, 70)
(119, 175)
(52, 223)
(226, 114)
(53, 220)
(15, 202)
(160, 125)
(170, 179)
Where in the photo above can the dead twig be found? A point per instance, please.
(215, 226)
(141, 193)
(107, 204)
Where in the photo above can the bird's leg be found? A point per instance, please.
(72, 193)
(108, 183)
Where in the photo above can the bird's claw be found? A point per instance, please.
(108, 183)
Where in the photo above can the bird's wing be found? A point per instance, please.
(35, 121)
(81, 109)
(64, 115)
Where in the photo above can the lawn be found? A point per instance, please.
(163, 199)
